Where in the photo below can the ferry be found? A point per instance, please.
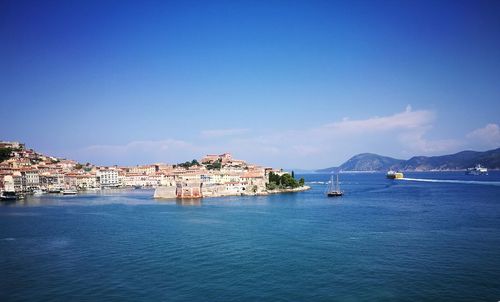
(477, 170)
(394, 175)
(333, 190)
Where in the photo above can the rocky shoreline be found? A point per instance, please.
(169, 192)
(279, 191)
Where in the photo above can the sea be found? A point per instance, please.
(429, 237)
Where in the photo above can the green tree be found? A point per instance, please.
(271, 186)
(293, 174)
(5, 153)
(301, 181)
(188, 164)
(214, 165)
(287, 181)
(274, 177)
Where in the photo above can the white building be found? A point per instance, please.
(32, 180)
(86, 181)
(108, 178)
(8, 183)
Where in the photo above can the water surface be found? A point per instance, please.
(404, 240)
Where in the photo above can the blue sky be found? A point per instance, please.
(298, 84)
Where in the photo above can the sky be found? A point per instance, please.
(293, 84)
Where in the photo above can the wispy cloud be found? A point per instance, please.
(415, 143)
(216, 133)
(488, 136)
(407, 119)
(402, 134)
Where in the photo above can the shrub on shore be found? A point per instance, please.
(285, 181)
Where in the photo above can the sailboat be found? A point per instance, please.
(333, 189)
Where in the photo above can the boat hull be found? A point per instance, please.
(334, 194)
(397, 175)
(477, 170)
(69, 192)
(333, 190)
(9, 196)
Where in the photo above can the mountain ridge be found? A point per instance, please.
(370, 162)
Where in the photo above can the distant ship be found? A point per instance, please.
(333, 189)
(394, 175)
(477, 170)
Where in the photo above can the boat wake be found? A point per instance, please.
(470, 182)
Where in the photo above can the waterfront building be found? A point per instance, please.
(87, 181)
(234, 188)
(108, 178)
(189, 189)
(135, 179)
(70, 180)
(80, 180)
(254, 179)
(155, 180)
(49, 181)
(32, 180)
(8, 183)
(167, 180)
(19, 182)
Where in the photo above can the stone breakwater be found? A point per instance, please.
(172, 192)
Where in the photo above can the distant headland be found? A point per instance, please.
(369, 162)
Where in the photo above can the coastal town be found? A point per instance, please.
(24, 171)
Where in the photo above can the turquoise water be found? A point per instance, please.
(385, 240)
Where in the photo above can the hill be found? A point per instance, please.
(367, 162)
(458, 161)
